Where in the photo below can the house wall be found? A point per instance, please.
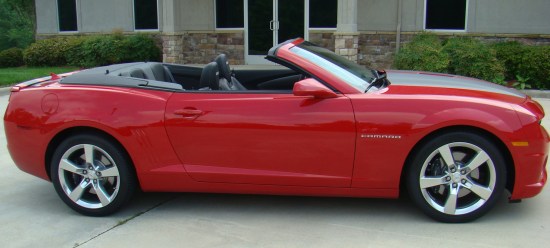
(46, 17)
(97, 16)
(511, 16)
(105, 16)
(484, 16)
(188, 15)
(188, 34)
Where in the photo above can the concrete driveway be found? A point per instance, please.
(32, 215)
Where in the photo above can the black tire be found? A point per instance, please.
(472, 183)
(78, 184)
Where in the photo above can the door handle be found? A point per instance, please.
(188, 112)
(271, 25)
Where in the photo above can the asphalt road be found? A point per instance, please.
(32, 215)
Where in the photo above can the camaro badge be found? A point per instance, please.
(380, 136)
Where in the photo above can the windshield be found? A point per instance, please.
(355, 75)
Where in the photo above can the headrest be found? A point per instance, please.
(210, 76)
(223, 66)
(137, 73)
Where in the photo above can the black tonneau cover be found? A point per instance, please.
(118, 75)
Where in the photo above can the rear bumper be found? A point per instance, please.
(26, 150)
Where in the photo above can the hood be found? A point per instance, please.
(446, 81)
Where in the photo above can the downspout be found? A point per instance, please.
(398, 36)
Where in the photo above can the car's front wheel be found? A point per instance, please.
(456, 177)
(92, 175)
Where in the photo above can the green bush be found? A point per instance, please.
(535, 66)
(511, 54)
(47, 52)
(97, 50)
(12, 57)
(90, 51)
(472, 58)
(111, 49)
(423, 53)
(141, 48)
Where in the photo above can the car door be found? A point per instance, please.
(258, 138)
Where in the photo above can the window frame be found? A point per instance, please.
(226, 29)
(77, 3)
(466, 14)
(134, 17)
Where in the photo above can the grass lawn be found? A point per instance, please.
(9, 76)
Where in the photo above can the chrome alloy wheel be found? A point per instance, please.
(457, 178)
(89, 176)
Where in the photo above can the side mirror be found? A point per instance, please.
(312, 87)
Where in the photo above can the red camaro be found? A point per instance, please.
(318, 125)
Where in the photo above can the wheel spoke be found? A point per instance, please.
(101, 194)
(89, 154)
(79, 190)
(70, 167)
(479, 159)
(479, 190)
(446, 154)
(109, 172)
(428, 182)
(450, 204)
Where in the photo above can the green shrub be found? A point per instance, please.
(98, 50)
(535, 66)
(111, 49)
(141, 48)
(423, 53)
(74, 55)
(472, 58)
(12, 57)
(47, 52)
(90, 51)
(510, 53)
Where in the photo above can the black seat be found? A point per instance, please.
(210, 79)
(162, 73)
(230, 82)
(138, 73)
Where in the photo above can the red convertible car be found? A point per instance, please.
(320, 126)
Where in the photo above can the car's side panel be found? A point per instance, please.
(134, 117)
(390, 125)
(276, 139)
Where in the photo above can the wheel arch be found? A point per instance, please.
(510, 175)
(64, 134)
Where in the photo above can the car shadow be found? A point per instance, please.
(45, 199)
(303, 207)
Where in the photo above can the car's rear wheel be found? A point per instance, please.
(456, 177)
(92, 175)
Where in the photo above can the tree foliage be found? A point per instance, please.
(17, 23)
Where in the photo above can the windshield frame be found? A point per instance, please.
(351, 73)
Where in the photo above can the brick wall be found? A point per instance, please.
(202, 48)
(322, 38)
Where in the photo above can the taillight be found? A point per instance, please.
(15, 89)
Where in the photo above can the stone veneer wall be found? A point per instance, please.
(322, 38)
(202, 48)
(376, 50)
(347, 45)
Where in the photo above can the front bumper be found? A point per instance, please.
(530, 164)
